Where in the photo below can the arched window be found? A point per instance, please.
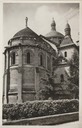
(48, 63)
(62, 77)
(60, 41)
(28, 58)
(41, 60)
(53, 61)
(65, 54)
(13, 58)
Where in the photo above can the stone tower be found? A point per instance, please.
(67, 46)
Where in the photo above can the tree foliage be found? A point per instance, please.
(46, 90)
(74, 74)
(74, 69)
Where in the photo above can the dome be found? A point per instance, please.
(54, 33)
(26, 32)
(67, 30)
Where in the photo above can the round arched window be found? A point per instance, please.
(41, 60)
(13, 58)
(65, 54)
(28, 58)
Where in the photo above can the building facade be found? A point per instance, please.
(30, 57)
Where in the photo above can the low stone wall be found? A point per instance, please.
(46, 120)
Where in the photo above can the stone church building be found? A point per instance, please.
(30, 57)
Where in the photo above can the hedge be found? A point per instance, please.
(39, 108)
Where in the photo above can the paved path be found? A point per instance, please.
(76, 124)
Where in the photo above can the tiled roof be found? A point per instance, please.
(26, 32)
(51, 44)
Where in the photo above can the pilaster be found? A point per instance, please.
(37, 80)
(6, 77)
(5, 89)
(20, 74)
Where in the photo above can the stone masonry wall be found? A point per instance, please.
(25, 78)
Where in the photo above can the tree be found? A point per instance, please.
(74, 74)
(46, 90)
(74, 69)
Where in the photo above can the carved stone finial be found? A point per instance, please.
(26, 22)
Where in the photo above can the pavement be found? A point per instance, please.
(75, 124)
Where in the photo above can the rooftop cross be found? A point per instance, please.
(26, 21)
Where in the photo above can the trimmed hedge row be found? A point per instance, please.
(39, 108)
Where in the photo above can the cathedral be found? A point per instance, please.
(30, 57)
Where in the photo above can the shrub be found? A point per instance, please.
(39, 108)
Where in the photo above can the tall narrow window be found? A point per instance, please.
(48, 63)
(65, 54)
(28, 58)
(62, 77)
(41, 60)
(13, 58)
(53, 62)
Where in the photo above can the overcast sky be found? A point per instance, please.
(39, 18)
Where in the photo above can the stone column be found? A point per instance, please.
(5, 78)
(20, 74)
(8, 72)
(4, 62)
(5, 89)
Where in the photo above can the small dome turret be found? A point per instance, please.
(67, 26)
(67, 30)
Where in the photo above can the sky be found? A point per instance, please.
(39, 18)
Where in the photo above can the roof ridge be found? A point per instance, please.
(49, 42)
